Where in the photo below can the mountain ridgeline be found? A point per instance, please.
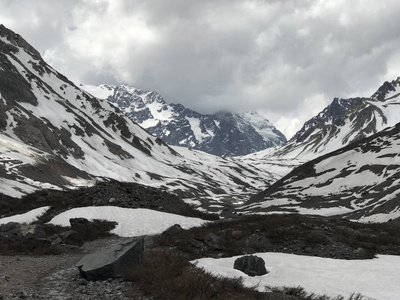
(55, 135)
(222, 133)
(345, 121)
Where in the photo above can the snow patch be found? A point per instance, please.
(27, 217)
(375, 278)
(131, 222)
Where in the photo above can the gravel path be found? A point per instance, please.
(56, 277)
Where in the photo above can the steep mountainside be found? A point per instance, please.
(53, 134)
(221, 133)
(360, 181)
(345, 121)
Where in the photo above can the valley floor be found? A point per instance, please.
(55, 277)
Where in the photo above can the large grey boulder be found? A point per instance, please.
(112, 261)
(251, 265)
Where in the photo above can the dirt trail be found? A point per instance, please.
(56, 277)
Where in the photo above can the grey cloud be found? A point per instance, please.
(275, 56)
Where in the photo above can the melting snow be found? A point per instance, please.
(376, 278)
(27, 217)
(195, 126)
(131, 222)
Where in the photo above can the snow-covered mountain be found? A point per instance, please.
(222, 133)
(55, 135)
(360, 181)
(345, 121)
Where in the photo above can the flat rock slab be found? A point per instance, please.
(112, 261)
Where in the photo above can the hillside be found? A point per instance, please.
(55, 135)
(360, 181)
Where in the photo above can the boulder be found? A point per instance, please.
(112, 261)
(213, 241)
(251, 265)
(71, 237)
(173, 230)
(78, 221)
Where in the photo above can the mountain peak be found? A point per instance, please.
(387, 91)
(221, 133)
(17, 40)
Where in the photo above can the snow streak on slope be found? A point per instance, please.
(131, 222)
(28, 217)
(360, 181)
(53, 134)
(221, 133)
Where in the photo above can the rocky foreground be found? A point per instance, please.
(165, 265)
(57, 277)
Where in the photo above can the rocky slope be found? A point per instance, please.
(360, 181)
(222, 133)
(345, 121)
(55, 135)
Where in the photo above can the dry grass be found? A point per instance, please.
(166, 275)
(301, 294)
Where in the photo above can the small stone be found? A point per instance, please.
(23, 294)
(82, 282)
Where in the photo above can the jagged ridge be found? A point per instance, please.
(222, 133)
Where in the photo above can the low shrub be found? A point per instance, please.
(26, 245)
(96, 229)
(30, 244)
(301, 294)
(166, 275)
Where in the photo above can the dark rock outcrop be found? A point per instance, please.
(251, 265)
(112, 261)
(78, 222)
(213, 241)
(173, 230)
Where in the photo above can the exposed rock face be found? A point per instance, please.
(222, 133)
(252, 265)
(112, 261)
(345, 121)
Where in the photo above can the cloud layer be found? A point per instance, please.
(285, 58)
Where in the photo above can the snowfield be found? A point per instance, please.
(131, 221)
(375, 278)
(27, 217)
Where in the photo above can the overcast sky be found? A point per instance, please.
(285, 58)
